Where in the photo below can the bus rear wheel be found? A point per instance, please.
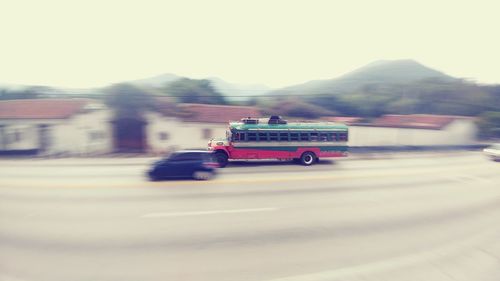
(222, 159)
(307, 158)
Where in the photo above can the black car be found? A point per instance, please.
(198, 165)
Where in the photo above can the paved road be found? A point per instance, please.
(428, 217)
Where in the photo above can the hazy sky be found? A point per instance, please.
(93, 43)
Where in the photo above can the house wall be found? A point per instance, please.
(18, 136)
(459, 132)
(87, 133)
(21, 134)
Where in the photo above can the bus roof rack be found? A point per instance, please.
(250, 120)
(275, 119)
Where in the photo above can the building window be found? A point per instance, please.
(17, 136)
(163, 136)
(96, 135)
(206, 133)
(13, 137)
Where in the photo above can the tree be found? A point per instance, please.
(295, 108)
(6, 94)
(489, 125)
(128, 100)
(187, 90)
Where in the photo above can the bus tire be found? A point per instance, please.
(307, 158)
(222, 159)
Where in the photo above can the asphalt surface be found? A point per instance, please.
(433, 216)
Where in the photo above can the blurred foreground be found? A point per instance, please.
(412, 216)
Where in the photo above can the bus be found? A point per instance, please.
(275, 138)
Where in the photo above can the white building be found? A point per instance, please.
(54, 127)
(412, 130)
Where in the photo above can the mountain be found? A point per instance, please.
(396, 87)
(156, 81)
(378, 72)
(393, 71)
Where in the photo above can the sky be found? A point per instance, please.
(73, 43)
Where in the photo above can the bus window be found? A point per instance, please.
(342, 136)
(304, 136)
(252, 136)
(332, 137)
(323, 137)
(238, 136)
(263, 137)
(314, 136)
(294, 136)
(283, 136)
(273, 136)
(234, 137)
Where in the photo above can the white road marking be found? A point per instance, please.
(212, 212)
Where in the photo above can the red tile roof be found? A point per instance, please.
(343, 119)
(418, 121)
(208, 113)
(41, 108)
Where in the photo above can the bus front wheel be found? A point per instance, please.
(307, 158)
(222, 159)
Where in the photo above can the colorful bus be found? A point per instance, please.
(275, 138)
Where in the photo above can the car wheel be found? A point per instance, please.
(222, 159)
(202, 175)
(307, 158)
